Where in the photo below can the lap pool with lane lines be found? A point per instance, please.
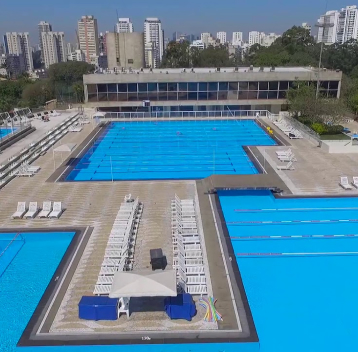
(298, 260)
(170, 150)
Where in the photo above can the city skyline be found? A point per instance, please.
(215, 19)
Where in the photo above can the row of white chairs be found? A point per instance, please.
(188, 256)
(288, 129)
(120, 246)
(30, 212)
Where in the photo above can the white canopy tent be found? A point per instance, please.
(64, 148)
(145, 283)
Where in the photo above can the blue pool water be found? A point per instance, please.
(30, 268)
(170, 150)
(302, 291)
(5, 131)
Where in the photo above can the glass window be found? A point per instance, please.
(152, 87)
(284, 85)
(153, 95)
(143, 96)
(333, 84)
(263, 86)
(132, 96)
(172, 87)
(102, 88)
(163, 87)
(172, 96)
(122, 88)
(213, 96)
(92, 88)
(203, 87)
(183, 87)
(222, 95)
(213, 86)
(122, 97)
(324, 84)
(192, 96)
(282, 94)
(263, 94)
(102, 97)
(132, 87)
(112, 97)
(223, 86)
(203, 96)
(112, 88)
(243, 85)
(162, 95)
(142, 87)
(182, 96)
(242, 95)
(92, 98)
(333, 93)
(253, 85)
(192, 87)
(273, 85)
(252, 94)
(232, 95)
(272, 94)
(233, 86)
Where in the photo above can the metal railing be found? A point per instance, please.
(14, 123)
(188, 114)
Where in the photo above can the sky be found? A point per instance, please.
(185, 16)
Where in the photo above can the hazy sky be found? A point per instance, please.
(188, 16)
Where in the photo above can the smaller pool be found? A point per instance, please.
(5, 131)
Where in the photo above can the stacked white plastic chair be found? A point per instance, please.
(120, 246)
(188, 254)
(288, 129)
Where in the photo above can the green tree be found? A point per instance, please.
(36, 94)
(69, 72)
(177, 55)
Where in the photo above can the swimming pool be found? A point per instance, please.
(170, 150)
(5, 131)
(298, 260)
(31, 260)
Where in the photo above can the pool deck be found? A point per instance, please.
(95, 205)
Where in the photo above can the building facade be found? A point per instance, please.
(222, 37)
(237, 38)
(153, 42)
(19, 44)
(125, 50)
(204, 89)
(44, 27)
(54, 48)
(88, 36)
(268, 39)
(197, 44)
(103, 43)
(306, 26)
(124, 25)
(255, 37)
(76, 55)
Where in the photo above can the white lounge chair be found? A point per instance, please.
(102, 290)
(33, 211)
(355, 181)
(284, 152)
(75, 129)
(123, 306)
(57, 210)
(46, 210)
(345, 183)
(287, 157)
(288, 166)
(20, 211)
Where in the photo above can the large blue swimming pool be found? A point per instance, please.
(298, 259)
(170, 150)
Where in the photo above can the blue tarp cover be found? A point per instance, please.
(98, 308)
(180, 307)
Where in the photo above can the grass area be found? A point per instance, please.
(335, 137)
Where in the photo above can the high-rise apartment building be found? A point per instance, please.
(268, 39)
(76, 55)
(124, 25)
(205, 38)
(19, 44)
(307, 27)
(237, 38)
(338, 26)
(221, 36)
(44, 27)
(255, 37)
(103, 43)
(88, 36)
(153, 42)
(54, 48)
